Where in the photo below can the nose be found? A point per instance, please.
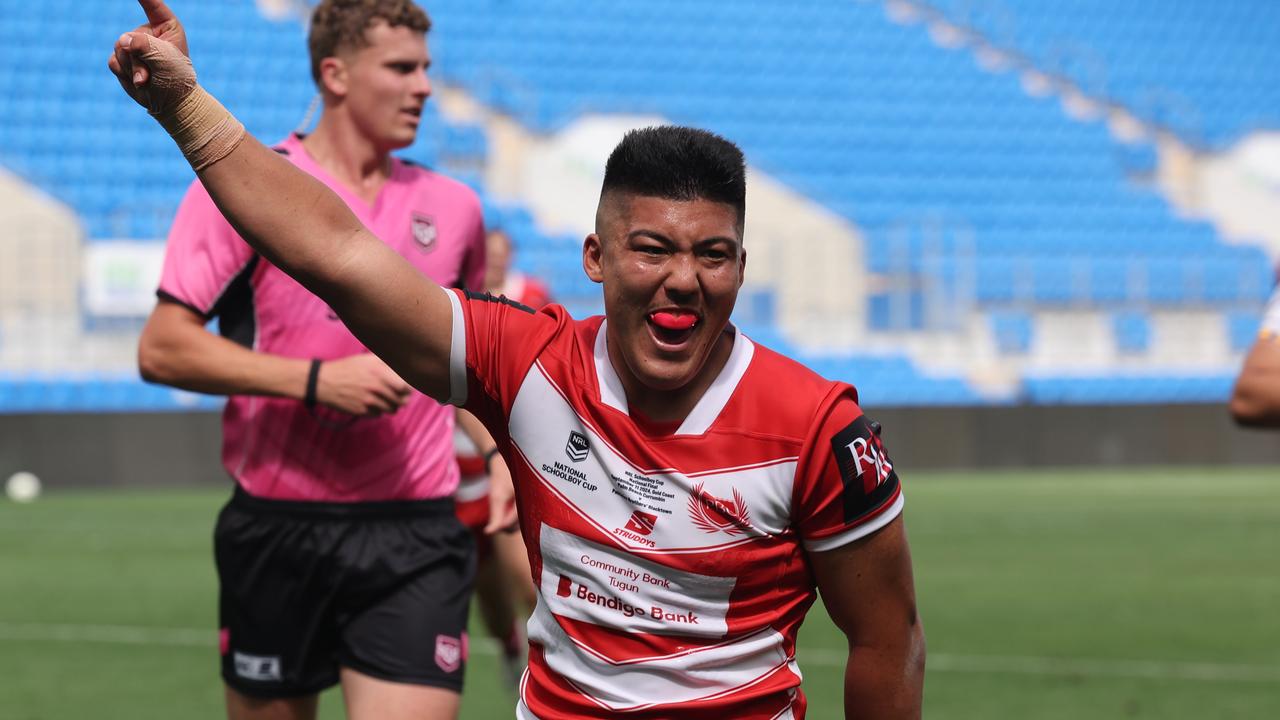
(422, 86)
(682, 276)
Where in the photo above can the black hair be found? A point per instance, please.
(678, 163)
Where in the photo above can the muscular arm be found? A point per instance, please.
(1255, 401)
(294, 221)
(305, 229)
(867, 588)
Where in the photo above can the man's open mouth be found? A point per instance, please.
(673, 327)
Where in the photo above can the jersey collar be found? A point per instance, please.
(707, 409)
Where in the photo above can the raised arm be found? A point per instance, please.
(289, 217)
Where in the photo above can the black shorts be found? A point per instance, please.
(382, 588)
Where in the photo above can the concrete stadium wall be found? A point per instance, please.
(1065, 436)
(182, 449)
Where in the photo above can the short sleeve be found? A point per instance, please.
(846, 485)
(203, 256)
(495, 343)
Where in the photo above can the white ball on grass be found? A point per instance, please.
(22, 487)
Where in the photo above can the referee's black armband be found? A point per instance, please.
(313, 379)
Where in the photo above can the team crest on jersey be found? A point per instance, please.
(450, 652)
(424, 231)
(712, 514)
(577, 446)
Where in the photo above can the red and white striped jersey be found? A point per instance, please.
(670, 565)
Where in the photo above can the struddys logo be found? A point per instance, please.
(711, 514)
(638, 527)
(642, 522)
(577, 446)
(424, 230)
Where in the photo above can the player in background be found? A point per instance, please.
(684, 493)
(504, 593)
(339, 555)
(1255, 401)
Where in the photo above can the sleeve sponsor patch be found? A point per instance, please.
(865, 469)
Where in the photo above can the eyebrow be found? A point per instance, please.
(655, 235)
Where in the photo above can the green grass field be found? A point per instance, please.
(1066, 594)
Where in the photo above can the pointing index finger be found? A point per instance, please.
(157, 12)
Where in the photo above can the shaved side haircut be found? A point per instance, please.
(678, 163)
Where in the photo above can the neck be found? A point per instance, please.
(664, 406)
(344, 152)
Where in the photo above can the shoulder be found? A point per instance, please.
(553, 319)
(792, 392)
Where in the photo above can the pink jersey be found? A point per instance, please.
(275, 447)
(670, 564)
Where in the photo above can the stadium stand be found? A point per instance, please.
(1207, 71)
(975, 197)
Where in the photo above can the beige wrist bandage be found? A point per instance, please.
(205, 131)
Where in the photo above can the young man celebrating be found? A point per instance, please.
(682, 491)
(339, 557)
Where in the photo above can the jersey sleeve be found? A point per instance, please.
(203, 255)
(494, 343)
(846, 485)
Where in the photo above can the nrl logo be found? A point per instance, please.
(424, 231)
(712, 514)
(577, 446)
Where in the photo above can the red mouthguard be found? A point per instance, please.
(674, 321)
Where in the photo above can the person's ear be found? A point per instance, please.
(334, 77)
(592, 258)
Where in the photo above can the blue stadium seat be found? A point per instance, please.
(1013, 331)
(1132, 331)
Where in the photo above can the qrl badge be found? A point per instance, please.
(450, 652)
(577, 446)
(424, 232)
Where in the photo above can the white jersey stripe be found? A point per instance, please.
(457, 353)
(717, 396)
(844, 538)
(709, 673)
(611, 390)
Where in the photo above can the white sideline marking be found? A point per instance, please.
(937, 662)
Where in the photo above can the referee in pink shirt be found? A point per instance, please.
(339, 556)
